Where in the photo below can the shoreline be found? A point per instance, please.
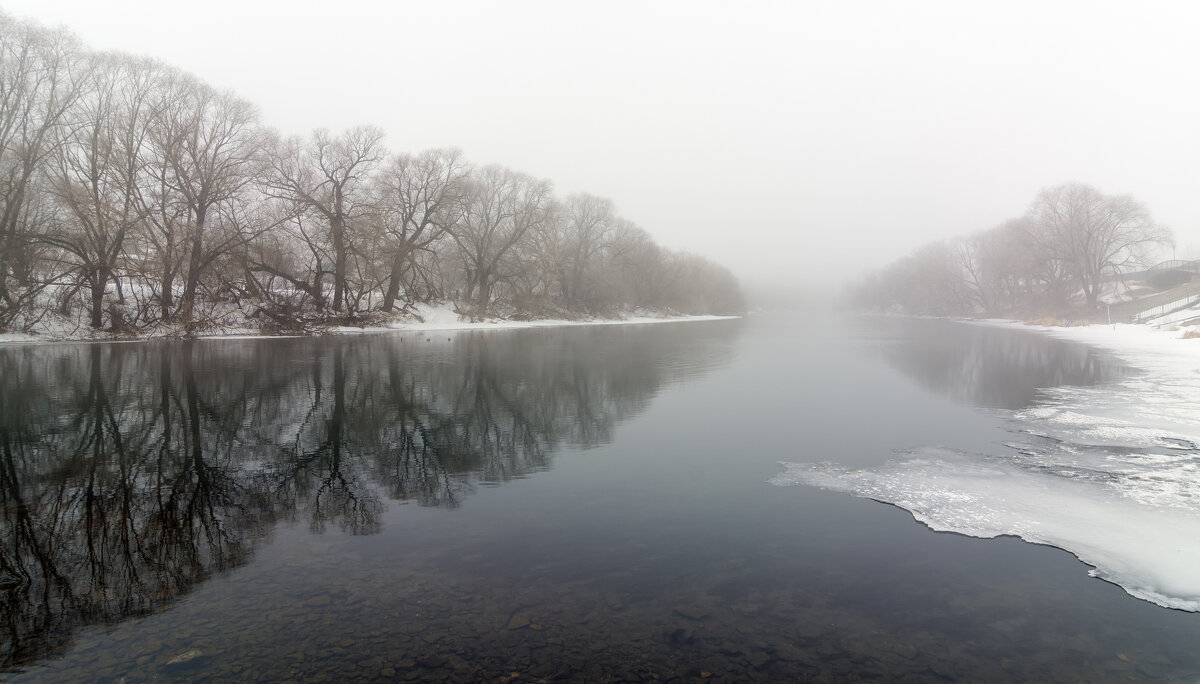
(436, 319)
(1135, 343)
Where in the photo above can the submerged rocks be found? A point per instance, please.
(692, 612)
(758, 659)
(186, 657)
(519, 620)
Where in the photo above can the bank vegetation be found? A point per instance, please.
(135, 198)
(1069, 251)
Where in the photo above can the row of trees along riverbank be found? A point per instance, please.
(133, 196)
(1069, 248)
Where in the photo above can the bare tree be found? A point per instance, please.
(328, 177)
(211, 146)
(589, 221)
(162, 241)
(99, 172)
(287, 265)
(928, 281)
(1021, 272)
(634, 266)
(1072, 239)
(538, 287)
(1097, 236)
(129, 181)
(500, 208)
(419, 196)
(39, 82)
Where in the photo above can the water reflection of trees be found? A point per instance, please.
(130, 473)
(114, 499)
(990, 367)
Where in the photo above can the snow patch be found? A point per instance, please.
(427, 318)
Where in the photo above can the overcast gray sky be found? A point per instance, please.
(794, 141)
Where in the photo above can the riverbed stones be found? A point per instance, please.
(519, 620)
(318, 601)
(680, 636)
(185, 657)
(431, 661)
(692, 612)
(758, 659)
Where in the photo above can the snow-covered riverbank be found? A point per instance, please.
(1110, 472)
(1140, 345)
(426, 319)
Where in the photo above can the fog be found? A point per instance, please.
(797, 143)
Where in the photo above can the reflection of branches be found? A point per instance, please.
(110, 507)
(322, 473)
(993, 368)
(130, 473)
(494, 408)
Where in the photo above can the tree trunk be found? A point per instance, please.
(98, 282)
(389, 298)
(576, 283)
(318, 289)
(8, 232)
(166, 298)
(470, 293)
(3, 271)
(187, 303)
(485, 290)
(338, 229)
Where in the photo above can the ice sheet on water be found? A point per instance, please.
(1145, 539)
(1109, 472)
(1069, 426)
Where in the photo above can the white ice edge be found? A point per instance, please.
(1110, 474)
(1150, 552)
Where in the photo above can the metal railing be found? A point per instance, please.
(1176, 265)
(1169, 307)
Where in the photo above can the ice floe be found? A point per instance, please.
(1110, 473)
(1135, 536)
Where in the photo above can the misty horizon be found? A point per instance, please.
(750, 136)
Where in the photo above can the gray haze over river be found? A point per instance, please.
(583, 504)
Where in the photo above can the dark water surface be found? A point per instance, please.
(583, 504)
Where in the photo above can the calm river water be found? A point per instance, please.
(576, 504)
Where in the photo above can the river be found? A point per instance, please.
(574, 504)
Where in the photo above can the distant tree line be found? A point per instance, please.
(1072, 244)
(134, 196)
